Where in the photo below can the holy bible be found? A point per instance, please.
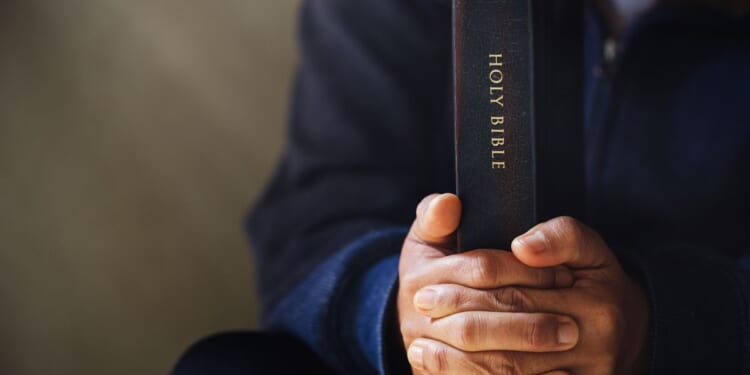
(518, 106)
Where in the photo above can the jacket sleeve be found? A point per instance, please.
(699, 315)
(366, 139)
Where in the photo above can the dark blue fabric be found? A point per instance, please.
(340, 309)
(667, 133)
(667, 137)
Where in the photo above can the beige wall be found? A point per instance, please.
(133, 137)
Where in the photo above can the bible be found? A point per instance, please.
(518, 107)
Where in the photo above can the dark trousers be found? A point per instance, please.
(246, 353)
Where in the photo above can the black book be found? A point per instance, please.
(518, 81)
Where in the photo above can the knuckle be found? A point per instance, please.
(484, 269)
(477, 363)
(545, 277)
(568, 222)
(539, 332)
(504, 363)
(568, 229)
(466, 334)
(482, 369)
(408, 281)
(507, 369)
(440, 361)
(511, 299)
(413, 279)
(420, 249)
(455, 299)
(411, 247)
(532, 333)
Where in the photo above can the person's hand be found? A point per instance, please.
(610, 309)
(425, 262)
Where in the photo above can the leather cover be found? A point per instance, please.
(518, 83)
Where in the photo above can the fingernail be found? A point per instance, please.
(535, 241)
(426, 299)
(563, 278)
(567, 332)
(416, 356)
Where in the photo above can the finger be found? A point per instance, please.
(477, 331)
(437, 358)
(438, 216)
(441, 300)
(562, 240)
(449, 299)
(557, 373)
(485, 269)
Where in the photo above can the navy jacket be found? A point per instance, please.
(667, 147)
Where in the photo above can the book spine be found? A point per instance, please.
(503, 55)
(493, 121)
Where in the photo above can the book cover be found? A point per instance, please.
(518, 106)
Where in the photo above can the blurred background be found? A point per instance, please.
(134, 136)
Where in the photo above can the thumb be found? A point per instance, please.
(438, 216)
(562, 241)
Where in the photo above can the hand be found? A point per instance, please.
(610, 309)
(424, 262)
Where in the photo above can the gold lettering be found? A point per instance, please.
(498, 142)
(498, 165)
(496, 60)
(497, 119)
(496, 76)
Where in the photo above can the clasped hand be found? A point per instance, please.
(558, 304)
